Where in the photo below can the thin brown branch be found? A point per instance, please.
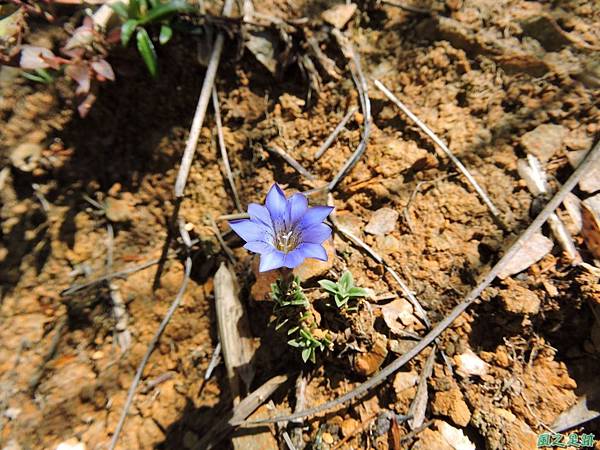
(334, 134)
(291, 161)
(224, 155)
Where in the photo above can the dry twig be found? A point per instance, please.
(334, 134)
(484, 197)
(224, 155)
(419, 403)
(593, 157)
(363, 94)
(291, 161)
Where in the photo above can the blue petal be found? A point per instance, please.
(260, 213)
(316, 234)
(276, 203)
(293, 258)
(271, 261)
(297, 206)
(315, 215)
(315, 251)
(259, 247)
(249, 230)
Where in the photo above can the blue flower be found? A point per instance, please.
(285, 231)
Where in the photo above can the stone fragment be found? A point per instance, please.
(455, 437)
(348, 426)
(26, 156)
(117, 210)
(544, 141)
(313, 268)
(468, 364)
(339, 15)
(367, 363)
(398, 316)
(519, 300)
(590, 213)
(404, 381)
(382, 221)
(452, 404)
(590, 182)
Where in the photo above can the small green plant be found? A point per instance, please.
(307, 342)
(343, 290)
(138, 14)
(39, 76)
(285, 293)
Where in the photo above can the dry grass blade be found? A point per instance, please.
(419, 403)
(291, 161)
(224, 155)
(484, 197)
(222, 243)
(214, 362)
(234, 332)
(334, 134)
(205, 93)
(363, 95)
(247, 406)
(592, 158)
(120, 274)
(155, 339)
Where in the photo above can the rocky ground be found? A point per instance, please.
(496, 80)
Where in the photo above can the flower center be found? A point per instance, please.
(286, 239)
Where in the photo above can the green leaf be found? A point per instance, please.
(293, 330)
(166, 32)
(146, 49)
(161, 11)
(121, 9)
(34, 77)
(134, 8)
(346, 281)
(306, 354)
(294, 343)
(127, 31)
(340, 300)
(329, 286)
(357, 292)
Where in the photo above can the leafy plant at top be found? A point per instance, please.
(307, 342)
(343, 290)
(138, 14)
(288, 294)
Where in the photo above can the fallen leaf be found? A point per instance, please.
(339, 15)
(398, 315)
(535, 249)
(590, 212)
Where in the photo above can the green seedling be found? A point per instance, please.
(139, 14)
(307, 342)
(285, 293)
(39, 76)
(343, 290)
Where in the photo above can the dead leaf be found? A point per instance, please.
(398, 316)
(535, 249)
(590, 212)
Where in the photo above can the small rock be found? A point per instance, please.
(71, 444)
(149, 434)
(451, 404)
(572, 205)
(348, 426)
(313, 268)
(261, 289)
(469, 363)
(97, 355)
(519, 300)
(455, 437)
(327, 438)
(367, 363)
(117, 210)
(26, 157)
(382, 221)
(350, 222)
(544, 141)
(404, 381)
(12, 413)
(339, 15)
(398, 315)
(535, 249)
(431, 439)
(12, 445)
